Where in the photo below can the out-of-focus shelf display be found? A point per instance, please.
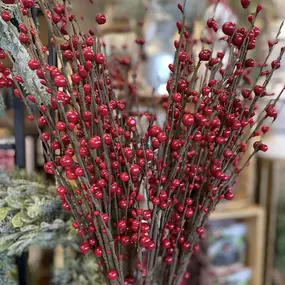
(7, 154)
(271, 196)
(227, 248)
(245, 238)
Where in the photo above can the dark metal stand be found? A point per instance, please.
(20, 162)
(19, 133)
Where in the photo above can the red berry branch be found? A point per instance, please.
(141, 192)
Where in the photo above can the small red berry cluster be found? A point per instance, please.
(139, 198)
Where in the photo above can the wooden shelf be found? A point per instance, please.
(250, 211)
(254, 217)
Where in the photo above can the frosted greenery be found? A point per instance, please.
(2, 107)
(31, 214)
(8, 270)
(10, 43)
(79, 270)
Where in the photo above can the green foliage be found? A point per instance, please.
(78, 269)
(31, 214)
(8, 271)
(9, 42)
(2, 107)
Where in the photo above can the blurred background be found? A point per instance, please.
(245, 243)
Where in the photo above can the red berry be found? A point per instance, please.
(101, 19)
(100, 58)
(256, 31)
(271, 111)
(95, 142)
(177, 97)
(238, 40)
(186, 245)
(66, 161)
(188, 120)
(251, 45)
(75, 78)
(79, 171)
(250, 18)
(250, 62)
(135, 170)
(161, 137)
(98, 251)
(260, 146)
(65, 206)
(75, 225)
(88, 54)
(245, 3)
(182, 56)
(49, 167)
(2, 54)
(112, 275)
(72, 117)
(103, 110)
(154, 130)
(131, 122)
(205, 55)
(189, 213)
(9, 1)
(6, 16)
(59, 9)
(60, 190)
(34, 64)
(56, 18)
(45, 136)
(140, 41)
(275, 64)
(258, 90)
(180, 7)
(124, 177)
(200, 231)
(228, 28)
(168, 259)
(30, 117)
(60, 81)
(84, 247)
(265, 129)
(3, 83)
(166, 243)
(211, 22)
(24, 39)
(220, 55)
(28, 4)
(229, 195)
(258, 8)
(55, 145)
(90, 41)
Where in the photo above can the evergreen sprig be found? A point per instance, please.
(31, 214)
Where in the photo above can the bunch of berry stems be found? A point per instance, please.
(141, 192)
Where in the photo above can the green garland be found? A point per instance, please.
(31, 214)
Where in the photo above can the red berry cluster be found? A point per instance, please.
(141, 197)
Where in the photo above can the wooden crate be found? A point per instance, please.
(270, 195)
(254, 217)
